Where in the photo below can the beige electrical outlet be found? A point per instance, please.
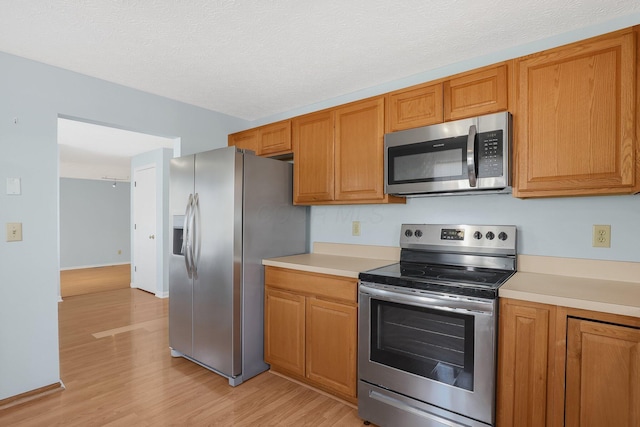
(14, 231)
(601, 236)
(355, 228)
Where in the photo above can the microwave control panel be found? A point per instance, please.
(490, 154)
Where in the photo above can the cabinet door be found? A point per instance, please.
(275, 138)
(603, 375)
(477, 93)
(523, 364)
(247, 140)
(331, 345)
(576, 119)
(420, 106)
(284, 330)
(359, 141)
(313, 153)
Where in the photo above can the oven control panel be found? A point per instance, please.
(460, 238)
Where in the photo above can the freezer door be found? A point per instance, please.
(217, 279)
(180, 285)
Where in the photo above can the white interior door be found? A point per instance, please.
(144, 229)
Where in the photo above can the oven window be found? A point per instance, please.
(431, 343)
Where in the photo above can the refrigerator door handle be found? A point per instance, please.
(195, 235)
(186, 236)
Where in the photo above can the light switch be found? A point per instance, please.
(13, 186)
(14, 231)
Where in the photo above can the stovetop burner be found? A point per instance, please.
(457, 259)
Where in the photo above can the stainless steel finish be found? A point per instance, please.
(420, 332)
(180, 279)
(196, 238)
(480, 402)
(386, 408)
(427, 299)
(430, 240)
(471, 155)
(215, 316)
(447, 130)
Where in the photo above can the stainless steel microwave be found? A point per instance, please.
(450, 158)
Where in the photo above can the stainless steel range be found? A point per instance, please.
(427, 338)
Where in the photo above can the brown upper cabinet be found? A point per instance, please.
(247, 139)
(576, 119)
(273, 139)
(479, 92)
(414, 107)
(474, 93)
(338, 155)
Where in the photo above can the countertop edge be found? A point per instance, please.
(310, 268)
(571, 302)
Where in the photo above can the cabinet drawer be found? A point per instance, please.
(313, 284)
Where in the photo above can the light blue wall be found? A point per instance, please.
(160, 159)
(94, 223)
(559, 227)
(34, 95)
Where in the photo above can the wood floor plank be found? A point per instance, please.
(82, 281)
(129, 378)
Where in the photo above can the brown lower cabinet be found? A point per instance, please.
(311, 329)
(559, 366)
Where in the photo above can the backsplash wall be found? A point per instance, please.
(560, 227)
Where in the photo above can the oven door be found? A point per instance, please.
(438, 349)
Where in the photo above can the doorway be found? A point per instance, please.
(105, 155)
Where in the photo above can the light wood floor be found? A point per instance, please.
(117, 370)
(98, 279)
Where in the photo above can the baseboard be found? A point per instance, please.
(19, 399)
(162, 294)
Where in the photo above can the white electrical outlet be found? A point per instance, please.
(355, 228)
(601, 236)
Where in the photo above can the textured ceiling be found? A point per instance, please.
(256, 58)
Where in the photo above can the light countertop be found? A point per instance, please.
(606, 286)
(338, 259)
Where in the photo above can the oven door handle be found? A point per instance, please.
(434, 301)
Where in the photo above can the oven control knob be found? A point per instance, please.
(408, 233)
(477, 235)
(490, 235)
(502, 236)
(418, 233)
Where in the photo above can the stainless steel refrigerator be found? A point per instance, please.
(229, 210)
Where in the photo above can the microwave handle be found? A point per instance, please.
(471, 155)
